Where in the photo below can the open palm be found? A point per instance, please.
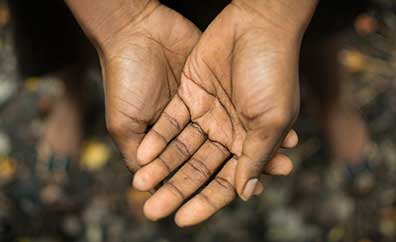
(238, 98)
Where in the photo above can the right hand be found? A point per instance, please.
(238, 99)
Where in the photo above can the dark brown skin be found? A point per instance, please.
(143, 47)
(239, 96)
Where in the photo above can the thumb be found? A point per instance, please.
(258, 150)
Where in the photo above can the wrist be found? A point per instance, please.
(103, 19)
(288, 17)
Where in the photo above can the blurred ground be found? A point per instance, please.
(92, 201)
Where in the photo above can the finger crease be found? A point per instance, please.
(208, 201)
(200, 167)
(182, 148)
(224, 183)
(165, 164)
(159, 135)
(220, 147)
(198, 128)
(176, 190)
(172, 121)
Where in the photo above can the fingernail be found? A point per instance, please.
(258, 190)
(249, 189)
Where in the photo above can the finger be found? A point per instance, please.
(280, 165)
(191, 176)
(171, 123)
(259, 148)
(259, 189)
(291, 140)
(128, 149)
(176, 153)
(219, 192)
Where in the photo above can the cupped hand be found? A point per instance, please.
(237, 101)
(141, 63)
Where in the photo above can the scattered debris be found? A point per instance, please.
(95, 155)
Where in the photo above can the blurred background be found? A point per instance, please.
(327, 198)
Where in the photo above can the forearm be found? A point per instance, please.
(103, 18)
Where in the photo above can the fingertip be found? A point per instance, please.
(291, 139)
(280, 165)
(191, 213)
(239, 182)
(151, 210)
(140, 182)
(181, 221)
(259, 188)
(148, 213)
(160, 205)
(145, 152)
(246, 178)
